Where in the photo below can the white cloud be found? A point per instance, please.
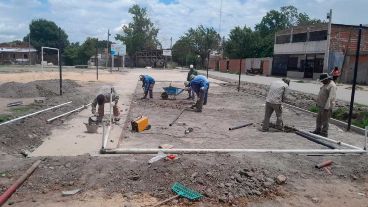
(81, 19)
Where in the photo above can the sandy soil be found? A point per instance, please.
(225, 180)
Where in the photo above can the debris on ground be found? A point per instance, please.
(71, 192)
(281, 179)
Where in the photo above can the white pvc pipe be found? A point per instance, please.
(69, 112)
(332, 140)
(32, 114)
(106, 136)
(207, 151)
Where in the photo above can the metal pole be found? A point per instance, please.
(208, 61)
(32, 114)
(96, 62)
(29, 48)
(218, 151)
(239, 74)
(59, 60)
(366, 137)
(42, 58)
(177, 117)
(107, 47)
(327, 55)
(120, 61)
(355, 76)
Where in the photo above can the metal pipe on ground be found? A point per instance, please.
(241, 126)
(105, 137)
(9, 192)
(177, 117)
(67, 113)
(219, 151)
(32, 114)
(332, 140)
(314, 139)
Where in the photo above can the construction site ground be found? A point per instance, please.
(71, 160)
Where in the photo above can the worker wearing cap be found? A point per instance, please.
(147, 84)
(200, 85)
(192, 72)
(103, 98)
(188, 88)
(274, 99)
(325, 103)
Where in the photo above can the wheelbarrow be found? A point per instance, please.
(171, 91)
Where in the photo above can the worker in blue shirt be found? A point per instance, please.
(200, 85)
(147, 84)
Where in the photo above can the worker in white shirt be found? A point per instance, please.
(274, 99)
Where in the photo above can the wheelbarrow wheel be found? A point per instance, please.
(164, 95)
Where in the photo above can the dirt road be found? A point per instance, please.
(72, 162)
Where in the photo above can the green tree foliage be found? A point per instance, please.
(140, 34)
(196, 42)
(242, 43)
(71, 54)
(46, 33)
(183, 53)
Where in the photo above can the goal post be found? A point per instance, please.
(49, 48)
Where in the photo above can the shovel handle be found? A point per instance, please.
(165, 201)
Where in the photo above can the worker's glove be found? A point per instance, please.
(203, 89)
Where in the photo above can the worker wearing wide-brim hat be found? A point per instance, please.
(325, 103)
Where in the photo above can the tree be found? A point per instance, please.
(202, 39)
(140, 34)
(182, 52)
(71, 54)
(46, 33)
(242, 43)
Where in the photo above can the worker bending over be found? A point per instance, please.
(192, 72)
(274, 99)
(200, 85)
(101, 99)
(147, 84)
(325, 103)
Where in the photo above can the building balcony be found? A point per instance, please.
(301, 48)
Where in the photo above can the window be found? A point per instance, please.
(282, 39)
(302, 37)
(25, 56)
(13, 55)
(318, 35)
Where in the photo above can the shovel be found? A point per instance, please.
(181, 191)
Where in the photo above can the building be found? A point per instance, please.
(308, 51)
(17, 53)
(233, 65)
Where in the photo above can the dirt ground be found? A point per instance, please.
(128, 180)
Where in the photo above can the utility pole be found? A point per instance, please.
(240, 66)
(29, 48)
(327, 54)
(60, 69)
(357, 54)
(96, 60)
(107, 47)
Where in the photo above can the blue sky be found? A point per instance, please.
(92, 18)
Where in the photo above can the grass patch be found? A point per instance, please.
(22, 110)
(5, 117)
(314, 109)
(299, 81)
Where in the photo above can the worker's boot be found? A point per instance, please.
(145, 96)
(324, 134)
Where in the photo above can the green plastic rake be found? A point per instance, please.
(182, 191)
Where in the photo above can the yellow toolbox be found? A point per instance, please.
(140, 124)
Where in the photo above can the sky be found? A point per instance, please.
(92, 18)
